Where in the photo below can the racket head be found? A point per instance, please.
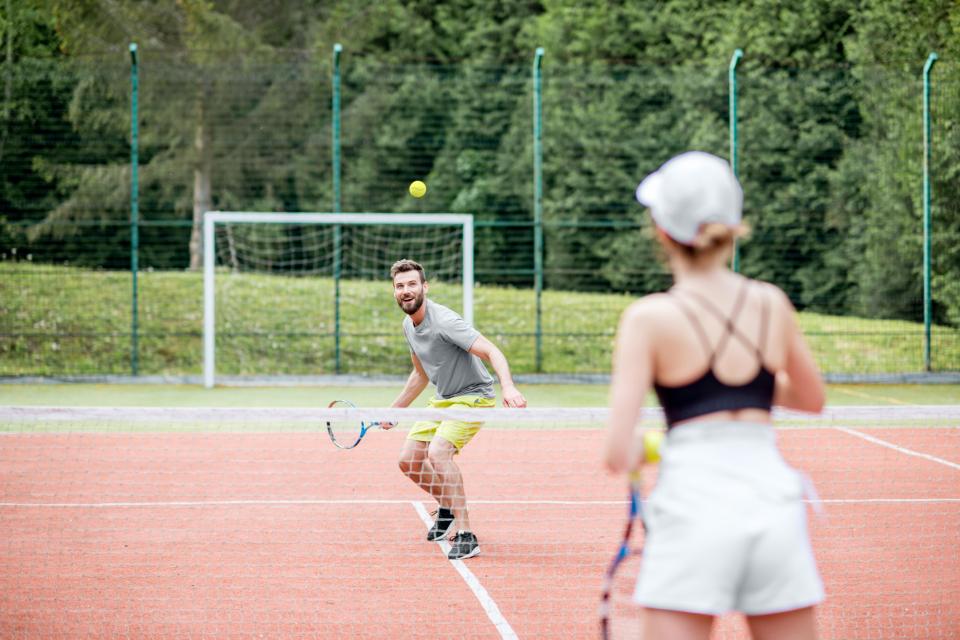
(345, 433)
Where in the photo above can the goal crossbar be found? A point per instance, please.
(211, 218)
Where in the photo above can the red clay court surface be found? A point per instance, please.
(280, 535)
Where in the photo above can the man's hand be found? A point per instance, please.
(513, 398)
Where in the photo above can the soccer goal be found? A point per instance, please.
(299, 294)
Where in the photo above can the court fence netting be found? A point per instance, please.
(107, 180)
(247, 522)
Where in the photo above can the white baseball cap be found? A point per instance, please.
(690, 190)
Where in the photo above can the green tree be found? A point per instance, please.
(235, 114)
(882, 168)
(219, 120)
(36, 90)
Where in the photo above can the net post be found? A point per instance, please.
(927, 215)
(734, 159)
(538, 206)
(335, 128)
(209, 326)
(468, 271)
(134, 210)
(337, 203)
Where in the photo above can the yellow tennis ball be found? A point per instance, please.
(418, 189)
(651, 445)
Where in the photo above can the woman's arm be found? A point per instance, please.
(799, 384)
(630, 382)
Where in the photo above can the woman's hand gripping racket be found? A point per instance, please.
(347, 433)
(651, 454)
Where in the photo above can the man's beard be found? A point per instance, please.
(415, 305)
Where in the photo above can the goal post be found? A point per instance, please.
(331, 220)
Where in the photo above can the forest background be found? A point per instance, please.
(832, 140)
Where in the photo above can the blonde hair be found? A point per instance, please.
(713, 238)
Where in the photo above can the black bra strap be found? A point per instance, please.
(731, 327)
(729, 324)
(695, 321)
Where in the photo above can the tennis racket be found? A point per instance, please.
(347, 434)
(636, 513)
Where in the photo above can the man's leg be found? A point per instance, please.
(440, 455)
(449, 482)
(415, 465)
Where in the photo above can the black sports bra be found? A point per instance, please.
(707, 394)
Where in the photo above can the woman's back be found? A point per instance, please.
(720, 340)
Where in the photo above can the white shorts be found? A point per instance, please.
(727, 526)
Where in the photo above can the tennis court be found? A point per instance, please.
(249, 523)
(201, 204)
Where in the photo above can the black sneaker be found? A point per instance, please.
(463, 546)
(441, 525)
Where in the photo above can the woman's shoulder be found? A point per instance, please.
(649, 307)
(771, 293)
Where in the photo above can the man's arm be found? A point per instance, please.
(486, 350)
(416, 383)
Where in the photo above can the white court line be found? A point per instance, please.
(885, 500)
(295, 503)
(199, 503)
(890, 445)
(493, 612)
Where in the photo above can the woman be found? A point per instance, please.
(726, 523)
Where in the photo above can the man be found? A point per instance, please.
(447, 352)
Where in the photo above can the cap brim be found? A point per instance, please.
(648, 191)
(650, 195)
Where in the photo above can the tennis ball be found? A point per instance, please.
(418, 189)
(651, 445)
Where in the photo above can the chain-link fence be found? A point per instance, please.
(100, 247)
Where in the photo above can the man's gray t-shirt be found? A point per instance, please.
(441, 342)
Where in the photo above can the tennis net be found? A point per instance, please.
(248, 522)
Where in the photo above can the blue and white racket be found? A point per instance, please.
(347, 433)
(635, 513)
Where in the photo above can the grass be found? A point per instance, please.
(57, 320)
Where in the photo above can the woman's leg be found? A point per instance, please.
(663, 624)
(799, 624)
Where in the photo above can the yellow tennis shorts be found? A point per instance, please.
(456, 432)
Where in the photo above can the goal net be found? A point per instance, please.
(323, 279)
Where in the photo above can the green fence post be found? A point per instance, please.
(734, 159)
(134, 210)
(337, 203)
(538, 206)
(927, 302)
